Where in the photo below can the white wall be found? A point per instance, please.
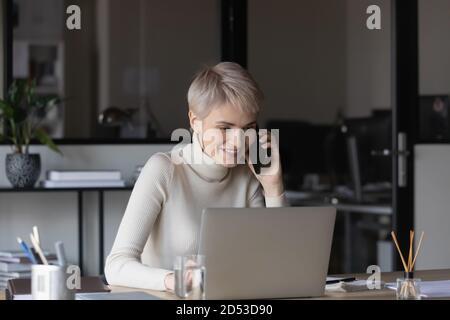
(432, 175)
(56, 212)
(432, 205)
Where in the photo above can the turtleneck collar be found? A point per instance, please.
(201, 163)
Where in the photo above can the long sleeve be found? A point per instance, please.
(279, 201)
(259, 200)
(123, 265)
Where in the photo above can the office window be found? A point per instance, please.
(134, 56)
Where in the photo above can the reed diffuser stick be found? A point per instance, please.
(418, 248)
(410, 255)
(399, 251)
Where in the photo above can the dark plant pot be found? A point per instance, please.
(23, 170)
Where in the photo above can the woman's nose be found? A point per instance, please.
(235, 139)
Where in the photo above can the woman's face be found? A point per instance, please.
(221, 133)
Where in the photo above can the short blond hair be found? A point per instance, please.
(224, 83)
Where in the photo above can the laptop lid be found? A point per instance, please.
(256, 253)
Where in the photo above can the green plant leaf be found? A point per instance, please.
(45, 139)
(53, 101)
(7, 110)
(12, 92)
(20, 114)
(45, 102)
(17, 91)
(24, 109)
(30, 91)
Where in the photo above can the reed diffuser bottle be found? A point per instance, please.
(408, 287)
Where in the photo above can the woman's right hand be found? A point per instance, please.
(169, 282)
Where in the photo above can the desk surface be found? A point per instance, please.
(384, 294)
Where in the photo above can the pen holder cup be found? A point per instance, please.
(49, 282)
(408, 288)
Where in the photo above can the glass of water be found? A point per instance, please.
(190, 277)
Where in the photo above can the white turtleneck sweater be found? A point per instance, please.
(162, 218)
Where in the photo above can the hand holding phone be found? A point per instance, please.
(262, 157)
(265, 164)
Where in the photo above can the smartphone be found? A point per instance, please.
(259, 163)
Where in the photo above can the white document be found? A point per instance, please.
(430, 289)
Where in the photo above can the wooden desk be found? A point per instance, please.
(384, 294)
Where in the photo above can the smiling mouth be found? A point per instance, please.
(229, 151)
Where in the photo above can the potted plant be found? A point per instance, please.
(21, 114)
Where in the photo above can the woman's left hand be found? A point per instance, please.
(270, 177)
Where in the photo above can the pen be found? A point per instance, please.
(38, 249)
(36, 234)
(60, 253)
(341, 280)
(27, 250)
(36, 256)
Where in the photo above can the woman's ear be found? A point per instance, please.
(195, 122)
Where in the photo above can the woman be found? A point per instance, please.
(162, 218)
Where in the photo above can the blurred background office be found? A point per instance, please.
(329, 87)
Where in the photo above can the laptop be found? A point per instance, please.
(258, 253)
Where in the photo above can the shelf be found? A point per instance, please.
(79, 191)
(43, 189)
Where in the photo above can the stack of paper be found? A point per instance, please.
(14, 264)
(83, 179)
(132, 295)
(348, 286)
